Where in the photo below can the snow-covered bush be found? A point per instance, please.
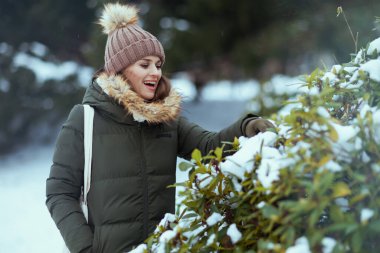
(310, 186)
(36, 93)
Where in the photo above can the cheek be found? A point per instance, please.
(130, 75)
(132, 78)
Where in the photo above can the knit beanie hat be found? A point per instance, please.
(127, 42)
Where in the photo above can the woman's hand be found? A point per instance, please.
(256, 126)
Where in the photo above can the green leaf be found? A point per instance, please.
(213, 183)
(190, 215)
(375, 226)
(341, 189)
(333, 134)
(289, 236)
(324, 160)
(196, 155)
(193, 204)
(218, 152)
(183, 184)
(357, 241)
(270, 212)
(336, 214)
(314, 217)
(184, 166)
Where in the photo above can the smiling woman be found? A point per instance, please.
(137, 136)
(143, 76)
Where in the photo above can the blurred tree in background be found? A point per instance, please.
(234, 39)
(209, 40)
(244, 39)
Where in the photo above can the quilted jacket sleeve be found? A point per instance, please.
(63, 187)
(192, 136)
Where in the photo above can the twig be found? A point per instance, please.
(340, 11)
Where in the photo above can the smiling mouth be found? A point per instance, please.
(150, 84)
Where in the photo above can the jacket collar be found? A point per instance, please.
(161, 111)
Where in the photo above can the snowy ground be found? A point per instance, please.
(25, 224)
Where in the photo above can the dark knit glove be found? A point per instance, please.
(256, 126)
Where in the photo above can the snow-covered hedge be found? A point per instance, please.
(311, 186)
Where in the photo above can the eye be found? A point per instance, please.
(144, 65)
(158, 66)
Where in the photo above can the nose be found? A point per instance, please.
(155, 71)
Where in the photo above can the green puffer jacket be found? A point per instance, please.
(133, 163)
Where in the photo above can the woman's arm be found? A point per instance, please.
(63, 187)
(191, 136)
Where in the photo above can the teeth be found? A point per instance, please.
(150, 83)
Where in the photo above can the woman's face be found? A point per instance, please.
(143, 76)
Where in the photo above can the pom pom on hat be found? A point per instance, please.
(116, 16)
(127, 42)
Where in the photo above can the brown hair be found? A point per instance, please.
(162, 91)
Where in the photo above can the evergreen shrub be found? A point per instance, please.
(312, 185)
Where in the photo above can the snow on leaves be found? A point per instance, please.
(311, 186)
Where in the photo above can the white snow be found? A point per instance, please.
(168, 218)
(331, 77)
(39, 49)
(328, 244)
(47, 70)
(313, 91)
(260, 205)
(336, 68)
(375, 117)
(241, 161)
(5, 48)
(211, 240)
(205, 180)
(332, 166)
(365, 109)
(350, 69)
(302, 246)
(376, 168)
(286, 110)
(234, 233)
(227, 90)
(26, 225)
(323, 112)
(366, 214)
(4, 85)
(372, 67)
(167, 236)
(359, 56)
(213, 219)
(139, 249)
(374, 45)
(345, 133)
(268, 171)
(343, 204)
(184, 87)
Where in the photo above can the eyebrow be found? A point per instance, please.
(149, 60)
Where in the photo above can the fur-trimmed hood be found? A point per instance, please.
(161, 111)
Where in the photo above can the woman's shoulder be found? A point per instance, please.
(75, 118)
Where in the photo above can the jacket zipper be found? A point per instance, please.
(145, 185)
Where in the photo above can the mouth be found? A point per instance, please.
(150, 84)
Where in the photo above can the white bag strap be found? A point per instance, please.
(88, 129)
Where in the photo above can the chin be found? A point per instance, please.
(148, 98)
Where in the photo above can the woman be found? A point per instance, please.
(137, 137)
